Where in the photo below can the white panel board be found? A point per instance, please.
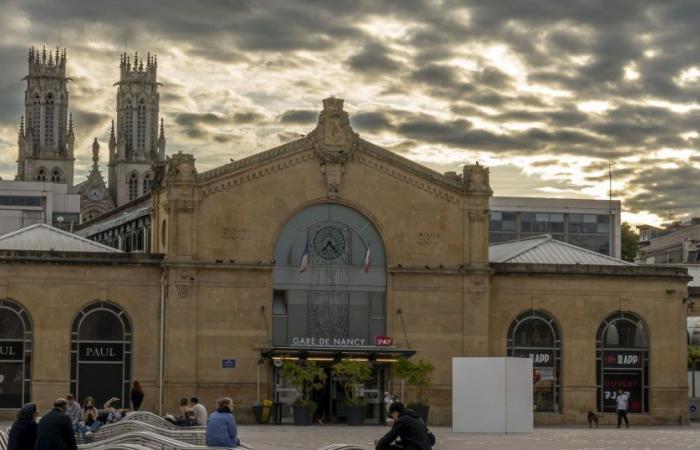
(519, 415)
(491, 395)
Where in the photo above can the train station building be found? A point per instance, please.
(325, 248)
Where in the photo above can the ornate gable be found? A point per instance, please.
(94, 195)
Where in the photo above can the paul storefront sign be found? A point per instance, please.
(101, 352)
(10, 351)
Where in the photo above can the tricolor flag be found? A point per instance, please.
(365, 262)
(304, 264)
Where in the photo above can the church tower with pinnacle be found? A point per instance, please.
(94, 195)
(139, 141)
(46, 136)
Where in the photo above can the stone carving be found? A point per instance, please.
(180, 167)
(476, 179)
(334, 141)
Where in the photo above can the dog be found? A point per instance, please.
(592, 418)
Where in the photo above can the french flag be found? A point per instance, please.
(366, 261)
(304, 265)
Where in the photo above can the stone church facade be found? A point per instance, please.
(331, 247)
(46, 136)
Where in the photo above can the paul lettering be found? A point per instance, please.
(7, 350)
(100, 352)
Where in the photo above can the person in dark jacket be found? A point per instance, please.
(23, 431)
(407, 433)
(136, 396)
(55, 431)
(221, 426)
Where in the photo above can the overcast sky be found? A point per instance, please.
(543, 92)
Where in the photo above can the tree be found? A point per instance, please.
(630, 242)
(351, 375)
(416, 374)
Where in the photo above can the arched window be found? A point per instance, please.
(141, 120)
(15, 355)
(147, 183)
(56, 175)
(101, 353)
(535, 335)
(133, 186)
(622, 357)
(41, 174)
(36, 121)
(129, 126)
(48, 119)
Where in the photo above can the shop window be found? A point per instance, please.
(101, 353)
(15, 355)
(535, 335)
(622, 362)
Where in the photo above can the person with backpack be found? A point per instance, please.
(409, 432)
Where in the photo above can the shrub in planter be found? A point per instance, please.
(352, 375)
(302, 376)
(417, 375)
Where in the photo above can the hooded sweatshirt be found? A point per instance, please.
(410, 429)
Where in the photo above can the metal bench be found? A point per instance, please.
(195, 437)
(3, 440)
(154, 419)
(147, 440)
(343, 447)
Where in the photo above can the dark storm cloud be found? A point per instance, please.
(195, 125)
(14, 67)
(371, 121)
(374, 58)
(248, 117)
(302, 116)
(665, 190)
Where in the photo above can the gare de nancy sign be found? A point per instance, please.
(305, 341)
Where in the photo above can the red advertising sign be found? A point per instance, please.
(383, 341)
(622, 359)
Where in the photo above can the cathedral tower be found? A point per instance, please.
(139, 142)
(46, 135)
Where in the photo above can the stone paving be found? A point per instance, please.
(271, 437)
(311, 438)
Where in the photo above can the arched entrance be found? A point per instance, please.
(535, 335)
(101, 353)
(329, 296)
(622, 358)
(15, 355)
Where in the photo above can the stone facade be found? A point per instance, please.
(217, 233)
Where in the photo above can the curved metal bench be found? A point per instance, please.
(148, 440)
(154, 419)
(189, 436)
(3, 440)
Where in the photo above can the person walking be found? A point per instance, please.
(221, 426)
(55, 431)
(137, 396)
(23, 432)
(200, 412)
(408, 432)
(622, 403)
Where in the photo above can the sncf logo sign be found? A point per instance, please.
(383, 341)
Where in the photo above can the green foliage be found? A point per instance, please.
(303, 377)
(630, 242)
(415, 373)
(351, 375)
(693, 354)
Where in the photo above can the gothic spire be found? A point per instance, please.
(95, 152)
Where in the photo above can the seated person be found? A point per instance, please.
(408, 432)
(221, 426)
(186, 417)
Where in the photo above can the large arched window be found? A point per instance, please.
(133, 186)
(623, 362)
(129, 127)
(141, 121)
(147, 182)
(48, 119)
(535, 335)
(41, 174)
(101, 353)
(56, 175)
(36, 121)
(15, 355)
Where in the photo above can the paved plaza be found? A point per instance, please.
(289, 437)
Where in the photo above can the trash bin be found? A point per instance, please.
(262, 412)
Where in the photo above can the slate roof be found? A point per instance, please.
(43, 237)
(545, 249)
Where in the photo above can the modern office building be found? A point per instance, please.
(591, 224)
(24, 203)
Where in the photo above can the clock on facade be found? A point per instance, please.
(94, 194)
(329, 242)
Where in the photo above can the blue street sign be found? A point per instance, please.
(228, 363)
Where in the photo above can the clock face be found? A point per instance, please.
(329, 243)
(94, 194)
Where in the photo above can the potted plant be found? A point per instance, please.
(352, 374)
(416, 374)
(302, 376)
